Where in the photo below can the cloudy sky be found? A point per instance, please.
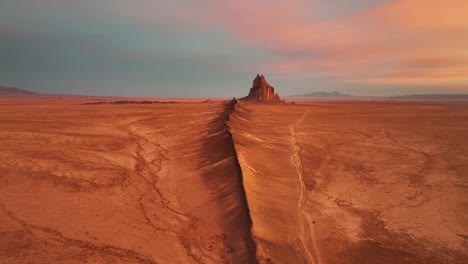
(175, 48)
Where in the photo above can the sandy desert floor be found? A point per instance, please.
(356, 182)
(322, 182)
(120, 184)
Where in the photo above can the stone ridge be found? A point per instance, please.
(262, 91)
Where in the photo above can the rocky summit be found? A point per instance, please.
(262, 91)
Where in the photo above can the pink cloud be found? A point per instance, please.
(377, 44)
(424, 40)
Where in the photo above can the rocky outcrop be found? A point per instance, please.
(262, 91)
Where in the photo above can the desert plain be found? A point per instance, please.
(233, 182)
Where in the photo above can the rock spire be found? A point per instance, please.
(262, 91)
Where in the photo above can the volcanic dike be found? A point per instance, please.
(258, 249)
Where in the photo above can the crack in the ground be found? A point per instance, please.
(140, 171)
(120, 253)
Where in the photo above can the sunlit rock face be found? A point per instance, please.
(262, 91)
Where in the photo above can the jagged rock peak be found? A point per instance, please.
(262, 91)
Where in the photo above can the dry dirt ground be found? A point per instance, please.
(356, 182)
(322, 182)
(120, 184)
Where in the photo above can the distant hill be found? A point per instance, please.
(432, 96)
(16, 92)
(322, 94)
(12, 91)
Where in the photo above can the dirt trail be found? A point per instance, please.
(304, 228)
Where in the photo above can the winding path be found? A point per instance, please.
(313, 255)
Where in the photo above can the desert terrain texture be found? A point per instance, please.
(233, 182)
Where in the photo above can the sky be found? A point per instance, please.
(212, 48)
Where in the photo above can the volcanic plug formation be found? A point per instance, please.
(262, 91)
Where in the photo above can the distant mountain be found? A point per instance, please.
(16, 92)
(12, 91)
(432, 96)
(323, 94)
